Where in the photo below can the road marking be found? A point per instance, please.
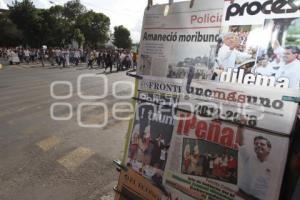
(48, 143)
(73, 159)
(18, 67)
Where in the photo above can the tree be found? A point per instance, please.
(10, 35)
(26, 17)
(78, 36)
(122, 37)
(57, 26)
(95, 27)
(72, 9)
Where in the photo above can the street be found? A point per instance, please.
(45, 159)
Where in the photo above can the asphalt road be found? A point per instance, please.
(46, 159)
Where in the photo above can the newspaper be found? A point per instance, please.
(175, 37)
(242, 104)
(213, 160)
(151, 136)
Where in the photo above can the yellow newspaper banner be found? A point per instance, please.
(132, 186)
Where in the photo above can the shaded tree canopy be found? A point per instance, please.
(23, 24)
(95, 27)
(122, 37)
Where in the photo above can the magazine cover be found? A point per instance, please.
(151, 136)
(213, 160)
(260, 42)
(177, 38)
(256, 106)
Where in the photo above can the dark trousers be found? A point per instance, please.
(108, 65)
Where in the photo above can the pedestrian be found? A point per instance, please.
(108, 62)
(91, 59)
(27, 55)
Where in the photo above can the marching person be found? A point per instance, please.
(108, 62)
(91, 58)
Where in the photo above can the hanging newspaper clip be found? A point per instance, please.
(291, 98)
(192, 3)
(119, 165)
(150, 3)
(129, 73)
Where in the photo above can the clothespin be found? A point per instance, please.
(192, 3)
(119, 165)
(150, 3)
(291, 98)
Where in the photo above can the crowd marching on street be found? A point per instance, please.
(64, 57)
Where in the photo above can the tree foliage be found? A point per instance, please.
(122, 37)
(95, 27)
(10, 35)
(26, 25)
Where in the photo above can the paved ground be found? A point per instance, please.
(44, 159)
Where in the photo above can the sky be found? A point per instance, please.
(128, 13)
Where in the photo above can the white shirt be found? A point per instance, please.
(269, 70)
(290, 71)
(77, 54)
(254, 175)
(136, 165)
(279, 51)
(227, 57)
(148, 171)
(26, 53)
(163, 154)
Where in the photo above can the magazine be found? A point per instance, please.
(259, 41)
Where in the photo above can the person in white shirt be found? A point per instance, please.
(277, 49)
(26, 54)
(255, 170)
(77, 56)
(228, 53)
(266, 68)
(291, 67)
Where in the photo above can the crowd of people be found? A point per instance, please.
(65, 57)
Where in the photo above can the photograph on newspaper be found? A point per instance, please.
(223, 161)
(258, 45)
(210, 160)
(150, 137)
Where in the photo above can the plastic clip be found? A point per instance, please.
(119, 165)
(192, 3)
(150, 3)
(291, 98)
(129, 73)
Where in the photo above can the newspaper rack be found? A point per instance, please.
(164, 60)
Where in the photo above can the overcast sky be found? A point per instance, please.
(121, 12)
